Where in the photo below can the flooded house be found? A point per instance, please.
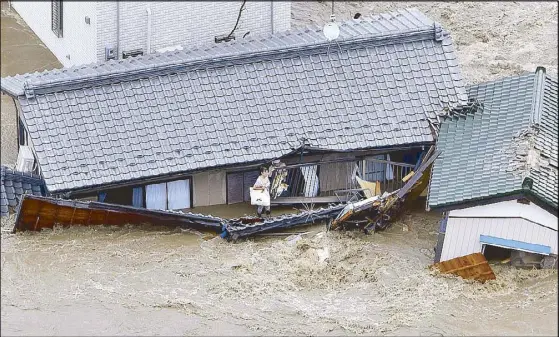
(95, 31)
(496, 178)
(14, 184)
(190, 128)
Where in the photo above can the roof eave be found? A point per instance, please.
(512, 195)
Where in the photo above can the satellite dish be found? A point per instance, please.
(331, 30)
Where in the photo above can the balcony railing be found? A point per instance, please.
(330, 179)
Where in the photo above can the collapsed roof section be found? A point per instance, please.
(382, 83)
(14, 185)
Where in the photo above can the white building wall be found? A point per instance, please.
(509, 209)
(463, 234)
(184, 23)
(79, 38)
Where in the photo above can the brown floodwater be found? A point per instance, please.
(157, 281)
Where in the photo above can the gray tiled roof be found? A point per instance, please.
(14, 184)
(480, 145)
(383, 83)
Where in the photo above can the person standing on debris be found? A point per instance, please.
(263, 184)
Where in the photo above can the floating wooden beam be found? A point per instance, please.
(36, 213)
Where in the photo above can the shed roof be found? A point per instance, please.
(14, 184)
(508, 133)
(384, 82)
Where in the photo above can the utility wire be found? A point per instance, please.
(238, 18)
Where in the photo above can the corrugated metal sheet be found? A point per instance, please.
(509, 209)
(462, 235)
(471, 267)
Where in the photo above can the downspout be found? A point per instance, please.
(148, 42)
(118, 30)
(272, 15)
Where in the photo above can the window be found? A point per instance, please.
(169, 195)
(56, 17)
(238, 186)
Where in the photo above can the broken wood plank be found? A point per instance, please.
(470, 267)
(408, 176)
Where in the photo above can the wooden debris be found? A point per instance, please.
(408, 176)
(36, 213)
(470, 267)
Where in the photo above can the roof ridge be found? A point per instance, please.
(382, 30)
(539, 81)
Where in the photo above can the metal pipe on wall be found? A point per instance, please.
(148, 42)
(272, 15)
(118, 30)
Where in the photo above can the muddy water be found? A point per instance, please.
(144, 281)
(149, 281)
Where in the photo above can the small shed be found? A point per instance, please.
(496, 178)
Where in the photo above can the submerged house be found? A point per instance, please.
(496, 178)
(189, 128)
(14, 184)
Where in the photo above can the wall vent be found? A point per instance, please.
(132, 53)
(224, 38)
(110, 53)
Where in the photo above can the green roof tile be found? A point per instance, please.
(477, 142)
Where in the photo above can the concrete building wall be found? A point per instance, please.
(78, 44)
(462, 235)
(209, 188)
(184, 23)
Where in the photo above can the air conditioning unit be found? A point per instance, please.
(25, 159)
(132, 53)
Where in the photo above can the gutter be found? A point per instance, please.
(117, 30)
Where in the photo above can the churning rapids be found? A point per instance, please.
(154, 281)
(145, 281)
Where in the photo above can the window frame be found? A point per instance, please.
(57, 15)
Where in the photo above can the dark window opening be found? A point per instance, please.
(56, 17)
(497, 254)
(239, 184)
(119, 196)
(22, 134)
